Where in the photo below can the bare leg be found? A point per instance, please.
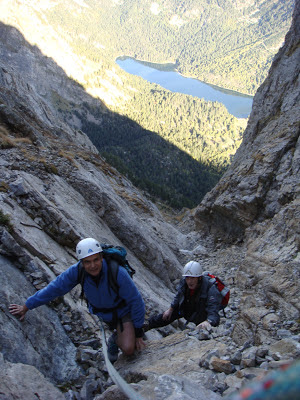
(126, 338)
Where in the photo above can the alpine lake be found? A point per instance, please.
(165, 75)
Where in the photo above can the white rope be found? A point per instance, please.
(115, 376)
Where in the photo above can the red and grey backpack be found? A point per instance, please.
(223, 289)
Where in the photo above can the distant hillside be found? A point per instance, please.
(225, 42)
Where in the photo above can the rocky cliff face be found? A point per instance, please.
(55, 189)
(257, 200)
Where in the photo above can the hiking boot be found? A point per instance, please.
(146, 327)
(112, 348)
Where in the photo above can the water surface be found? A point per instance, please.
(164, 75)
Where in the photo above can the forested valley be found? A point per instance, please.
(174, 146)
(229, 43)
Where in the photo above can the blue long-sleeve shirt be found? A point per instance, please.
(99, 294)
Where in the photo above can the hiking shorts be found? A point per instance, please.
(113, 324)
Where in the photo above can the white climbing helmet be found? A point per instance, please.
(193, 269)
(87, 247)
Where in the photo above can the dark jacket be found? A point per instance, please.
(205, 303)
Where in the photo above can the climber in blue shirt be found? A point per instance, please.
(123, 311)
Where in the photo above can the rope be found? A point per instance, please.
(115, 376)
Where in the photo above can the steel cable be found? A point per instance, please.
(115, 376)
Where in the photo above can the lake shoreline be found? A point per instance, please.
(172, 67)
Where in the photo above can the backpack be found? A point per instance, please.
(224, 290)
(115, 256)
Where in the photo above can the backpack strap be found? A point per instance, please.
(112, 274)
(80, 278)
